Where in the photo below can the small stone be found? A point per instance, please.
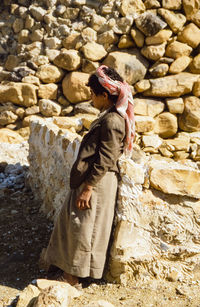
(159, 70)
(196, 88)
(49, 73)
(49, 108)
(153, 52)
(93, 51)
(130, 7)
(177, 49)
(166, 125)
(142, 85)
(48, 91)
(159, 38)
(190, 35)
(7, 117)
(175, 21)
(180, 64)
(144, 124)
(175, 105)
(68, 59)
(68, 122)
(138, 37)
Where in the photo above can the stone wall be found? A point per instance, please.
(49, 48)
(158, 211)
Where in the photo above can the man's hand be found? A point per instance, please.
(83, 199)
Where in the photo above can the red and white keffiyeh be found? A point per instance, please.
(124, 104)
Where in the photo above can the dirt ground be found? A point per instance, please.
(25, 231)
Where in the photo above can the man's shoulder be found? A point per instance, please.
(114, 120)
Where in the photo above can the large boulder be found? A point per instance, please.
(131, 66)
(172, 86)
(190, 118)
(75, 88)
(19, 93)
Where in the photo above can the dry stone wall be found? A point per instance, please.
(158, 208)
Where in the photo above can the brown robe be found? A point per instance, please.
(80, 238)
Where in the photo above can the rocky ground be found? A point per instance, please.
(25, 231)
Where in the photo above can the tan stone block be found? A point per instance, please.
(142, 85)
(74, 87)
(49, 108)
(196, 88)
(175, 105)
(190, 119)
(49, 73)
(175, 21)
(88, 66)
(32, 110)
(153, 52)
(159, 69)
(176, 180)
(172, 86)
(165, 152)
(18, 25)
(172, 4)
(68, 59)
(129, 7)
(9, 136)
(180, 64)
(144, 124)
(68, 122)
(180, 144)
(19, 93)
(108, 37)
(71, 41)
(159, 38)
(48, 91)
(190, 35)
(131, 66)
(125, 42)
(89, 35)
(166, 125)
(177, 49)
(151, 141)
(23, 36)
(195, 65)
(191, 7)
(43, 284)
(138, 37)
(93, 51)
(148, 107)
(31, 80)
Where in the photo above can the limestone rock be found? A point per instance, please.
(138, 37)
(49, 108)
(190, 118)
(89, 35)
(18, 25)
(175, 21)
(172, 86)
(32, 110)
(71, 41)
(107, 38)
(166, 125)
(131, 66)
(86, 108)
(74, 87)
(142, 85)
(27, 295)
(175, 179)
(195, 65)
(149, 23)
(159, 38)
(125, 42)
(180, 64)
(172, 4)
(196, 88)
(175, 105)
(32, 80)
(56, 296)
(177, 49)
(93, 51)
(48, 91)
(52, 42)
(151, 141)
(37, 12)
(129, 7)
(23, 36)
(190, 35)
(19, 93)
(159, 69)
(28, 119)
(148, 107)
(154, 52)
(9, 136)
(68, 122)
(89, 66)
(191, 7)
(144, 124)
(43, 284)
(52, 54)
(68, 59)
(151, 4)
(179, 143)
(49, 73)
